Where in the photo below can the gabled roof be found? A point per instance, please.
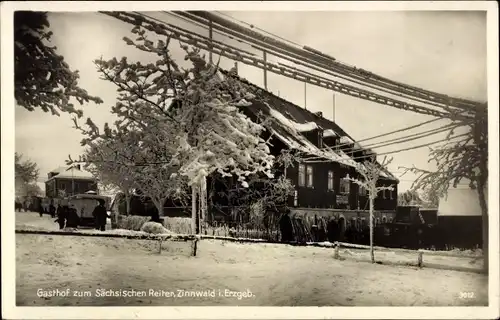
(291, 121)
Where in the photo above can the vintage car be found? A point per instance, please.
(85, 204)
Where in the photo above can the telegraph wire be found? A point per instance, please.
(311, 63)
(223, 50)
(389, 142)
(257, 28)
(395, 131)
(206, 27)
(351, 66)
(191, 32)
(397, 140)
(199, 25)
(355, 72)
(375, 144)
(389, 152)
(414, 136)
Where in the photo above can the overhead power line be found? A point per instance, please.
(407, 138)
(392, 132)
(395, 151)
(337, 66)
(397, 140)
(390, 142)
(309, 62)
(224, 50)
(257, 28)
(204, 27)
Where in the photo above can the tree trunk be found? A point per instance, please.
(372, 255)
(203, 205)
(193, 209)
(127, 203)
(159, 207)
(484, 218)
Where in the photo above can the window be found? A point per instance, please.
(383, 193)
(330, 180)
(302, 175)
(384, 219)
(345, 186)
(309, 174)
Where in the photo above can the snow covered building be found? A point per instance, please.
(460, 215)
(321, 187)
(71, 180)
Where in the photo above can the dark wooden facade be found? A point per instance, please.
(70, 186)
(321, 195)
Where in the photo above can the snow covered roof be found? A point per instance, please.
(291, 121)
(329, 133)
(59, 169)
(72, 173)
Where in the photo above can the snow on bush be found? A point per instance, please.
(155, 228)
(124, 232)
(132, 222)
(178, 225)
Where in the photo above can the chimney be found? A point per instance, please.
(319, 114)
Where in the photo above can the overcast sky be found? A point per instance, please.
(439, 51)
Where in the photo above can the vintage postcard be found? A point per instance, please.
(250, 160)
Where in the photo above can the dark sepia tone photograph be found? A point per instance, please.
(254, 158)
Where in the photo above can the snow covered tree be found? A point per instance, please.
(26, 171)
(103, 161)
(466, 159)
(132, 159)
(26, 175)
(188, 120)
(42, 78)
(369, 172)
(426, 198)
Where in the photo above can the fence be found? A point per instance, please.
(320, 229)
(225, 229)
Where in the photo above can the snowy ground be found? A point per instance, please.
(276, 275)
(32, 220)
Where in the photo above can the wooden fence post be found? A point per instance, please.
(159, 242)
(336, 254)
(420, 260)
(194, 247)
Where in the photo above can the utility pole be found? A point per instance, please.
(210, 35)
(305, 95)
(334, 97)
(265, 69)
